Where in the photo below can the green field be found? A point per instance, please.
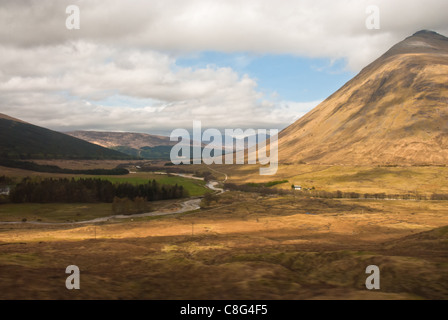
(69, 212)
(194, 187)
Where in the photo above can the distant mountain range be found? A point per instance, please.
(21, 140)
(394, 112)
(142, 145)
(117, 139)
(139, 145)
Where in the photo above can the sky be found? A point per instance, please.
(153, 66)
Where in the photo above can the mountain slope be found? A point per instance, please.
(140, 145)
(21, 140)
(116, 139)
(393, 112)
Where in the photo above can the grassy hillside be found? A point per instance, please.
(392, 113)
(21, 140)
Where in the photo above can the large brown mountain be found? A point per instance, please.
(395, 111)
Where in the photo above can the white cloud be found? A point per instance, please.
(128, 49)
(72, 85)
(324, 28)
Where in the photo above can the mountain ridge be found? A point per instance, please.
(109, 139)
(392, 112)
(5, 116)
(22, 140)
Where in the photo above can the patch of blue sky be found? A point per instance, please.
(285, 77)
(66, 95)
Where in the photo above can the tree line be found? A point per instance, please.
(4, 180)
(65, 190)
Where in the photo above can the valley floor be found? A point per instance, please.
(243, 246)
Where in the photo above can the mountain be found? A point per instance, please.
(116, 139)
(4, 116)
(394, 112)
(141, 145)
(147, 146)
(21, 140)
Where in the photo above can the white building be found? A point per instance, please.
(4, 191)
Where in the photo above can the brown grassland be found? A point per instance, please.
(248, 246)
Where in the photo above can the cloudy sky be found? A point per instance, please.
(152, 66)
